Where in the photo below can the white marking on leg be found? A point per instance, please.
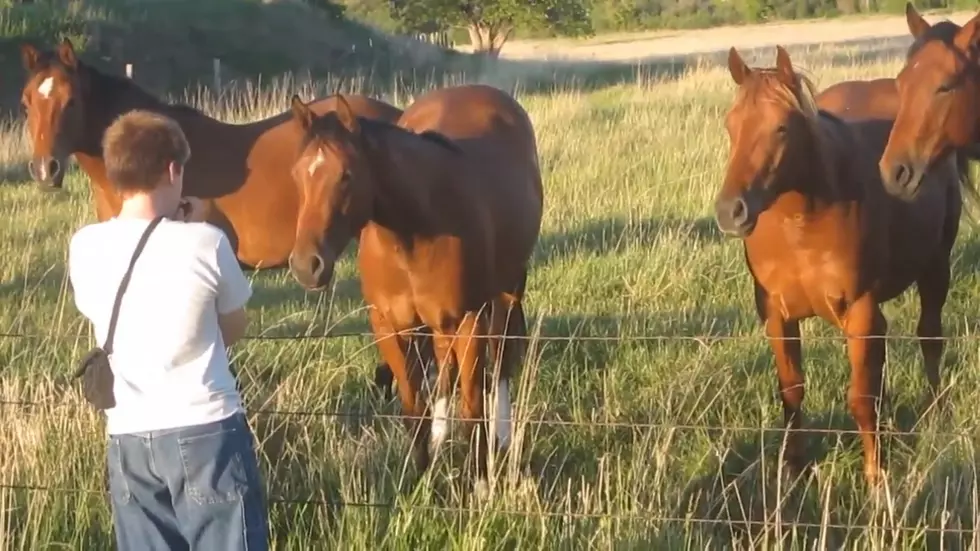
(503, 413)
(440, 425)
(45, 87)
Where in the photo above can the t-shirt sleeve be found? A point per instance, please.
(234, 289)
(77, 274)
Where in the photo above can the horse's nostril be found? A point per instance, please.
(740, 211)
(903, 174)
(316, 265)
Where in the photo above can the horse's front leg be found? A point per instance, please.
(784, 339)
(394, 351)
(865, 327)
(469, 347)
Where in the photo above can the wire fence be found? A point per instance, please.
(60, 407)
(842, 337)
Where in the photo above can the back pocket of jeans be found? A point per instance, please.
(213, 468)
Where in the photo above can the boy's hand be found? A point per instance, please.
(191, 209)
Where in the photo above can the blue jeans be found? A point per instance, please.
(188, 488)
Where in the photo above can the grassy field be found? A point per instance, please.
(625, 441)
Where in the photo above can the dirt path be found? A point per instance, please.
(628, 47)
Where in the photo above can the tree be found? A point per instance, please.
(491, 23)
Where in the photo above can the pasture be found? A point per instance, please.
(645, 415)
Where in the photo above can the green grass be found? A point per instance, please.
(653, 433)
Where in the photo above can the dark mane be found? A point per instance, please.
(107, 90)
(374, 125)
(377, 126)
(943, 31)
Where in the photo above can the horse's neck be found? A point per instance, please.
(118, 102)
(819, 175)
(410, 179)
(107, 201)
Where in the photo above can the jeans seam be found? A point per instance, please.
(116, 471)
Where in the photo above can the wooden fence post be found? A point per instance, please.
(216, 66)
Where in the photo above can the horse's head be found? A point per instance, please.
(51, 100)
(939, 104)
(771, 131)
(335, 186)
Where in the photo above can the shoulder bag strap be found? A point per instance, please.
(125, 283)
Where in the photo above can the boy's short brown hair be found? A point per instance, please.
(139, 146)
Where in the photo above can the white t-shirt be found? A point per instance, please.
(169, 360)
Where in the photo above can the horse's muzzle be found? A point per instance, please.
(902, 179)
(47, 172)
(311, 270)
(736, 216)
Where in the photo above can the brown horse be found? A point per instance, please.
(878, 98)
(240, 167)
(448, 204)
(939, 108)
(822, 238)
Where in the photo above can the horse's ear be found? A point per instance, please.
(737, 67)
(302, 113)
(784, 66)
(346, 115)
(29, 56)
(968, 37)
(66, 53)
(917, 24)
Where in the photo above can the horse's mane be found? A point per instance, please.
(380, 127)
(801, 98)
(943, 31)
(108, 90)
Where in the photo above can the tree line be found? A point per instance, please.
(488, 24)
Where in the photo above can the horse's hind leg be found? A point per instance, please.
(508, 333)
(933, 287)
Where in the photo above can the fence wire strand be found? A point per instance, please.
(370, 415)
(553, 338)
(567, 515)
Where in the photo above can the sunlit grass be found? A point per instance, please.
(628, 251)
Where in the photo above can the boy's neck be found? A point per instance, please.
(146, 206)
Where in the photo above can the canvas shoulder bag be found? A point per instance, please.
(94, 368)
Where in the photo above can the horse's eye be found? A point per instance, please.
(945, 88)
(782, 130)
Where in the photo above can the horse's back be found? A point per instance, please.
(861, 99)
(497, 139)
(485, 122)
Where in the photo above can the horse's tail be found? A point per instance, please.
(971, 195)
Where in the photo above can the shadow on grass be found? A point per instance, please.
(745, 495)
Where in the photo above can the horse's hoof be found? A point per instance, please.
(481, 490)
(383, 379)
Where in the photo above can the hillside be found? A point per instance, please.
(171, 43)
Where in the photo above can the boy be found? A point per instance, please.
(183, 472)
